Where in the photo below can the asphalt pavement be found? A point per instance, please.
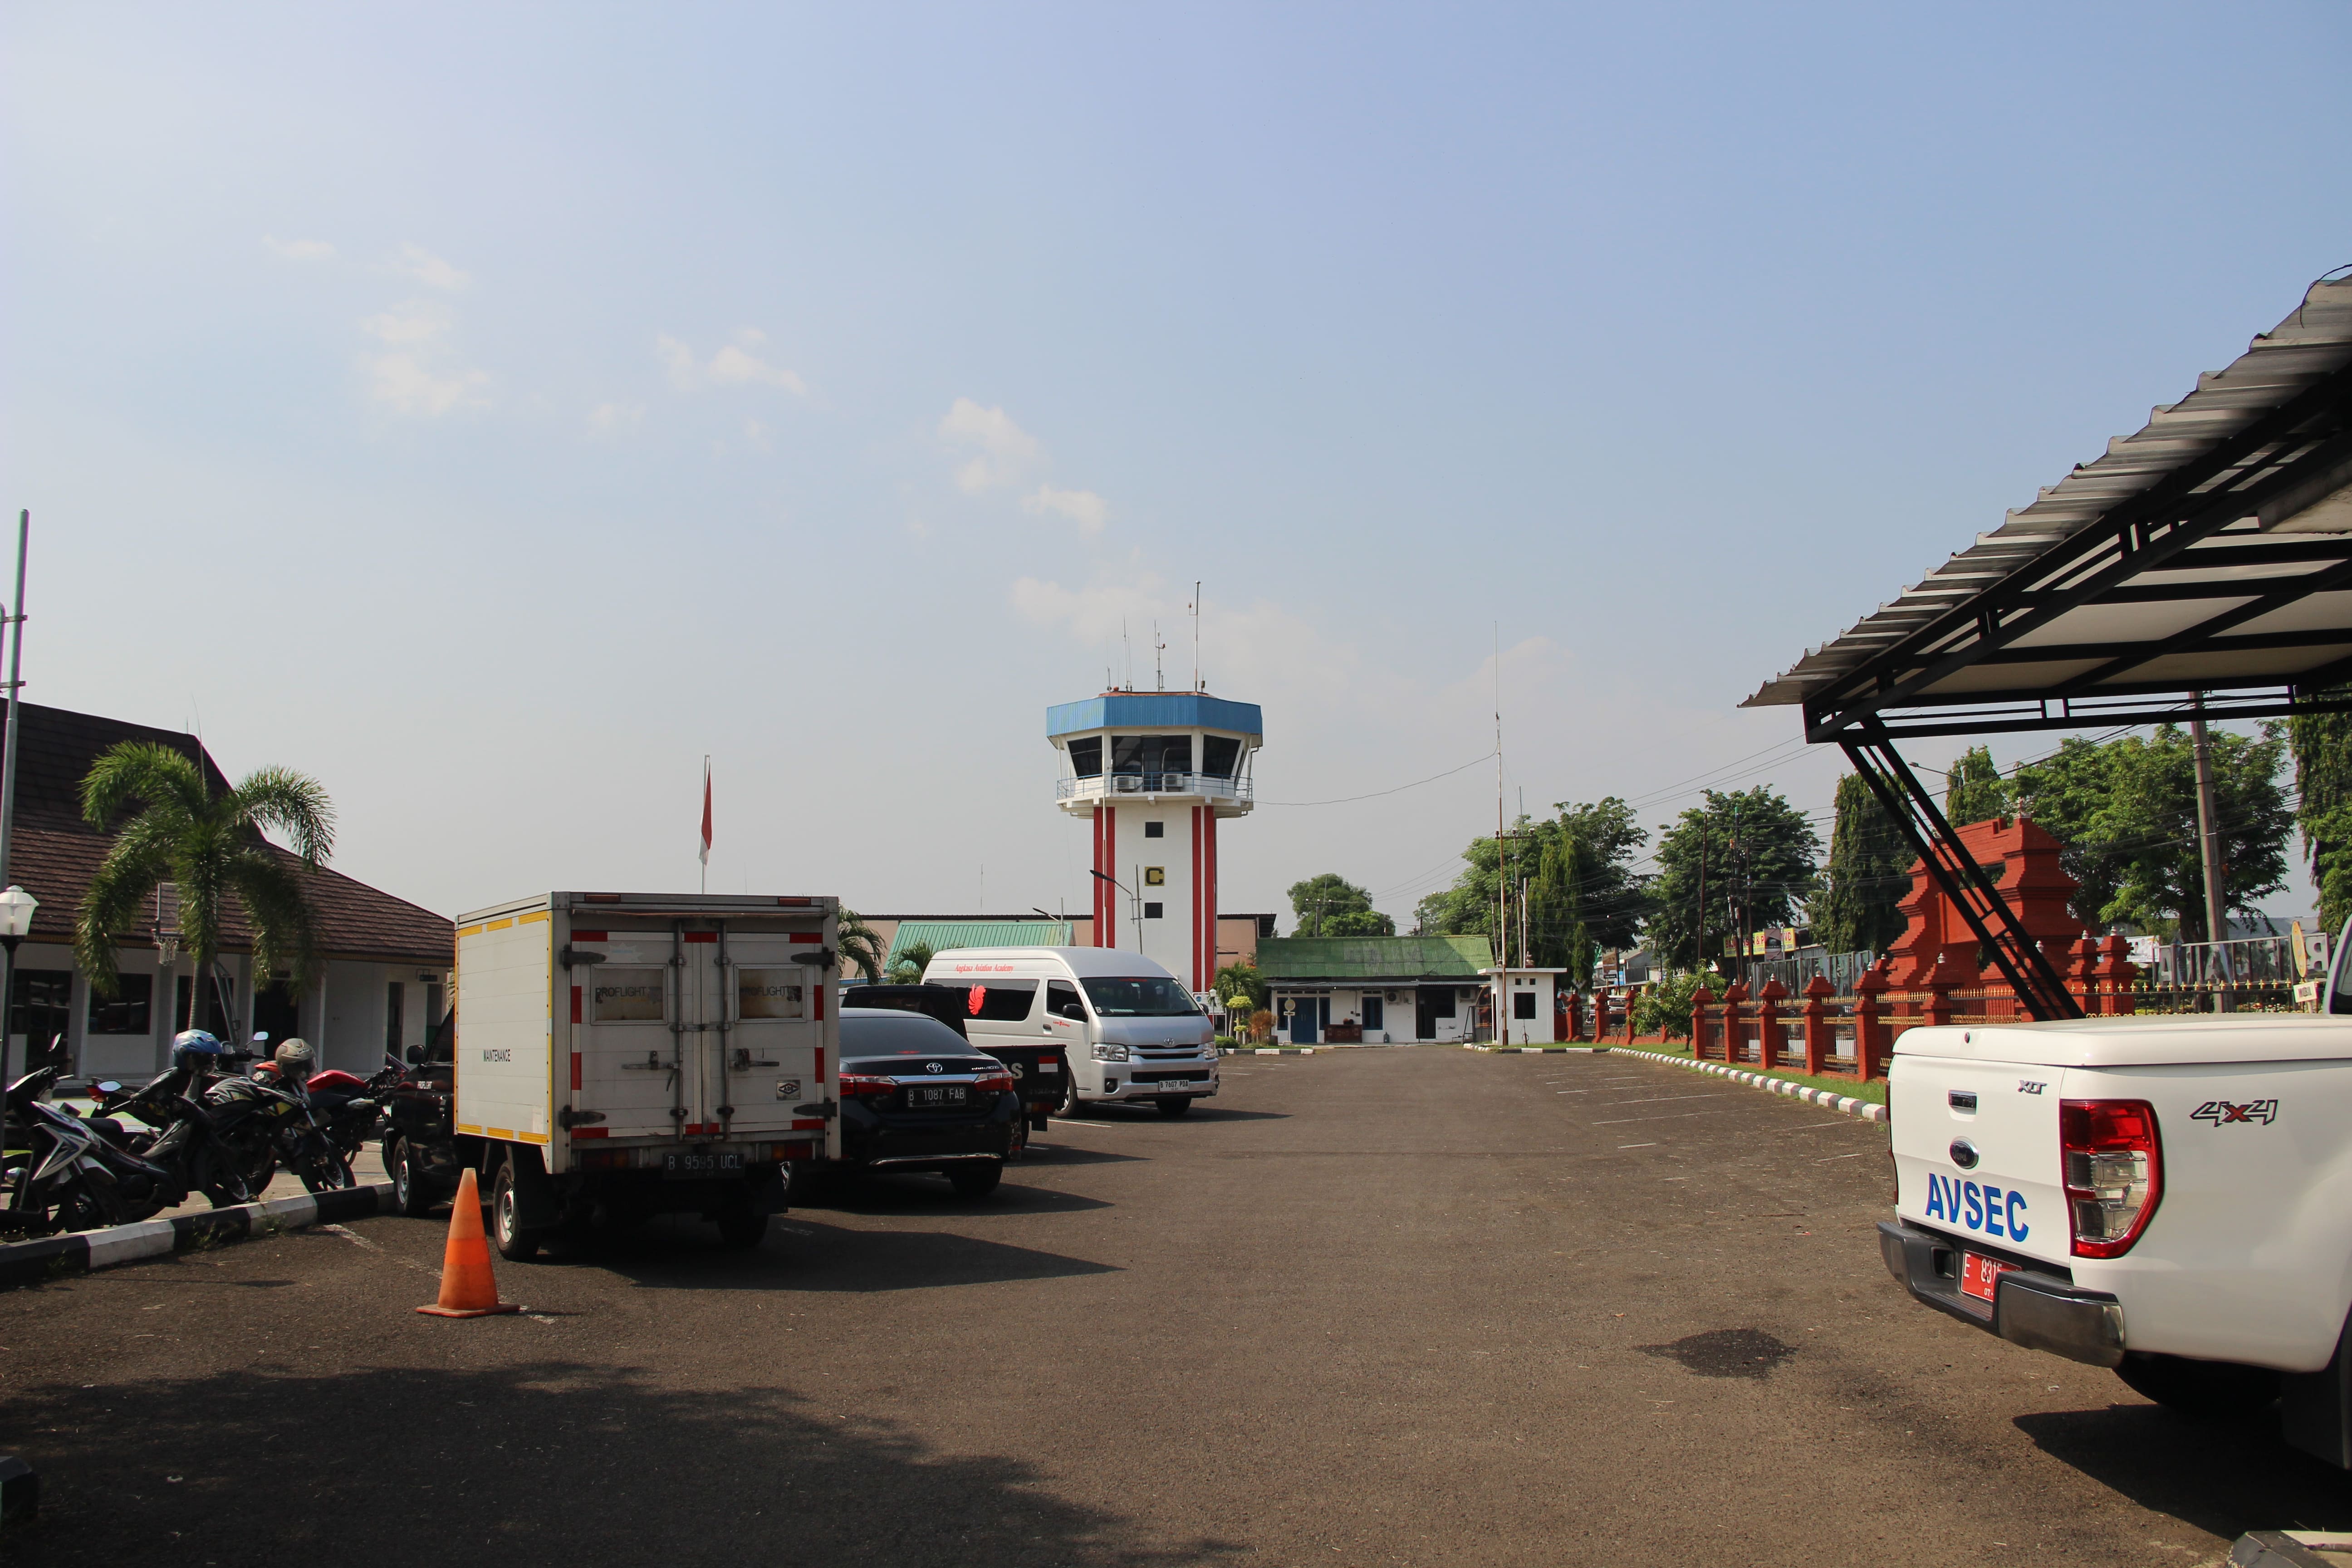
(1418, 1306)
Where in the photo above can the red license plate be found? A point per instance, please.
(1979, 1274)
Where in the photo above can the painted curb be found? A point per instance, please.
(1269, 1050)
(1541, 1050)
(1869, 1110)
(52, 1257)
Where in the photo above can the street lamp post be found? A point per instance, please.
(17, 906)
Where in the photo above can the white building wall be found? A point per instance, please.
(1167, 940)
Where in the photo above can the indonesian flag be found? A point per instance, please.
(705, 811)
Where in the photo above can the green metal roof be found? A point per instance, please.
(942, 935)
(1373, 957)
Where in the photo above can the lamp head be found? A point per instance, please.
(17, 906)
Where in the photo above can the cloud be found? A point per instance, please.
(612, 419)
(417, 376)
(1084, 507)
(299, 250)
(755, 435)
(734, 365)
(430, 269)
(1003, 449)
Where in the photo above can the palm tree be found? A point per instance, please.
(211, 846)
(913, 959)
(857, 944)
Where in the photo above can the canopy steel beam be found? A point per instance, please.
(2039, 988)
(2150, 530)
(2108, 709)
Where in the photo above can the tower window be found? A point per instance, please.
(1155, 830)
(1151, 911)
(1086, 757)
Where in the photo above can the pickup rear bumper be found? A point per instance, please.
(2039, 1312)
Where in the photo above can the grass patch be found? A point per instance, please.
(1874, 1091)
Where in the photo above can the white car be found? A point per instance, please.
(2168, 1196)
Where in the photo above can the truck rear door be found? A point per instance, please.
(764, 1038)
(1977, 1153)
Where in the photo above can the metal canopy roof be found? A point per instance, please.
(2210, 552)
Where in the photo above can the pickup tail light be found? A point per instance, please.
(2114, 1171)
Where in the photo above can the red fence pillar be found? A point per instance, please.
(2084, 976)
(1940, 981)
(2117, 971)
(1600, 1016)
(1870, 1041)
(1702, 999)
(1818, 991)
(1769, 1041)
(1735, 1017)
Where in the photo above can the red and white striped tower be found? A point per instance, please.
(1152, 771)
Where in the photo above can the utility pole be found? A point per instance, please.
(15, 687)
(2208, 848)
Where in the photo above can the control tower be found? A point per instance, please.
(1154, 771)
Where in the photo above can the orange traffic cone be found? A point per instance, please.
(467, 1291)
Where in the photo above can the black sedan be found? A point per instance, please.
(915, 1096)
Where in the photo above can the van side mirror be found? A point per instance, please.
(416, 1056)
(1073, 1010)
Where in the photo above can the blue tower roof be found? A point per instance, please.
(1154, 712)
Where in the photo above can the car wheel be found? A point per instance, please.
(1068, 1104)
(976, 1178)
(515, 1244)
(742, 1226)
(409, 1193)
(2204, 1390)
(1175, 1105)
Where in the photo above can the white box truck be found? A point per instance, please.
(620, 1055)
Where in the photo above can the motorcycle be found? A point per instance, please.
(76, 1176)
(273, 1122)
(353, 1105)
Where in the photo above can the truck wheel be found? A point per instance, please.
(515, 1244)
(1018, 1147)
(2204, 1390)
(976, 1178)
(1067, 1106)
(409, 1195)
(742, 1226)
(1175, 1105)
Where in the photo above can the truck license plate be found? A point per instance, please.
(695, 1165)
(1980, 1274)
(935, 1094)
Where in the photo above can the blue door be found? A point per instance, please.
(1305, 1013)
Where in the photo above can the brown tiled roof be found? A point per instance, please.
(55, 853)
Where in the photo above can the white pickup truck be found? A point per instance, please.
(2170, 1198)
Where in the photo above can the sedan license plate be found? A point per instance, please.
(941, 1094)
(697, 1164)
(1979, 1275)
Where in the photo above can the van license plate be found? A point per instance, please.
(696, 1164)
(1980, 1274)
(935, 1094)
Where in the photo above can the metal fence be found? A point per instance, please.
(1796, 971)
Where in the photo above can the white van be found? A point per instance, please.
(1129, 1029)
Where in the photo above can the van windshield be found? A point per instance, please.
(1152, 998)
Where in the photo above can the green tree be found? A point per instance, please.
(2322, 746)
(1760, 854)
(1665, 1009)
(169, 826)
(1241, 979)
(907, 968)
(856, 943)
(1866, 875)
(1582, 891)
(2126, 814)
(1973, 791)
(1330, 905)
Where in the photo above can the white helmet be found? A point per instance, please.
(296, 1060)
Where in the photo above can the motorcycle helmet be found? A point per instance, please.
(195, 1047)
(295, 1059)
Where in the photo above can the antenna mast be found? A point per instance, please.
(1196, 635)
(1158, 663)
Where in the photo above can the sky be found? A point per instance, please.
(493, 411)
